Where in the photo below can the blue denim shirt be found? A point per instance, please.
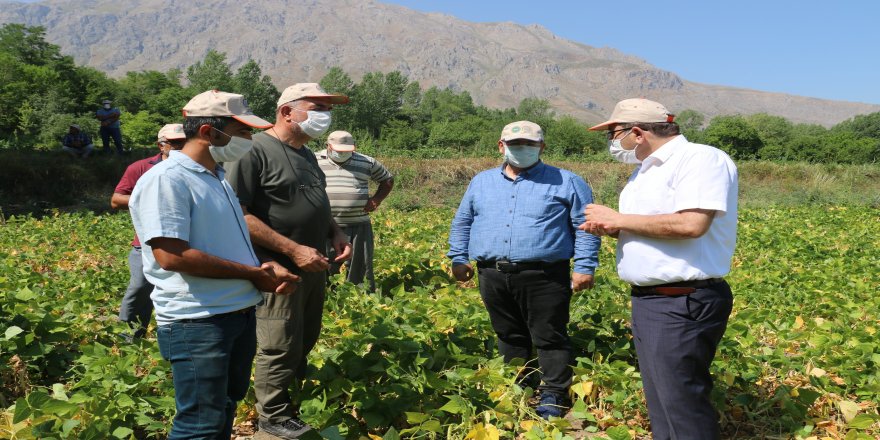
(178, 198)
(531, 218)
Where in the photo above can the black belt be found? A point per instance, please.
(676, 288)
(221, 315)
(505, 266)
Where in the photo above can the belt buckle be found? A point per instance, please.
(504, 266)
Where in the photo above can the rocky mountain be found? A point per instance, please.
(295, 41)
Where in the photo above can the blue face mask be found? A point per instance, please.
(521, 156)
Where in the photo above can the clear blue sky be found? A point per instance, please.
(828, 49)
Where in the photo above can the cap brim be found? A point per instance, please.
(518, 136)
(253, 121)
(603, 125)
(334, 99)
(174, 137)
(342, 147)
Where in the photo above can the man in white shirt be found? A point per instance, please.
(676, 233)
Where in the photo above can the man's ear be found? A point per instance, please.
(501, 147)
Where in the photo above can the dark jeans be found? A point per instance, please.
(288, 327)
(136, 308)
(676, 338)
(211, 362)
(530, 309)
(108, 132)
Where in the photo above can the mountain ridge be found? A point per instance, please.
(498, 63)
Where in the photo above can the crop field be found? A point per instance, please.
(799, 360)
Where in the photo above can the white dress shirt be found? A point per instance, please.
(680, 175)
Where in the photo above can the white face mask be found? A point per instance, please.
(338, 156)
(521, 156)
(316, 123)
(107, 106)
(233, 151)
(622, 155)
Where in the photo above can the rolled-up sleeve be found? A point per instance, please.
(161, 207)
(586, 246)
(460, 232)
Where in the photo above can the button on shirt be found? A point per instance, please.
(680, 175)
(178, 198)
(531, 218)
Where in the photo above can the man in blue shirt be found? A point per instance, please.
(519, 222)
(109, 117)
(198, 254)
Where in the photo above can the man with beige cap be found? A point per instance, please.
(676, 233)
(282, 192)
(519, 223)
(207, 276)
(348, 182)
(136, 307)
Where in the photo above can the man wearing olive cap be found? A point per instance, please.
(676, 233)
(282, 192)
(519, 223)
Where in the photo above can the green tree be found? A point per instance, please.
(773, 130)
(337, 81)
(211, 73)
(261, 94)
(862, 125)
(691, 123)
(567, 136)
(536, 110)
(377, 99)
(733, 135)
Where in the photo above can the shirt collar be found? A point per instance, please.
(155, 159)
(188, 163)
(534, 170)
(663, 153)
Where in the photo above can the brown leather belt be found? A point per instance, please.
(677, 288)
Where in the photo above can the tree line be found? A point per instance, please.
(43, 91)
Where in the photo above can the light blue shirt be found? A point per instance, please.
(178, 198)
(531, 218)
(107, 112)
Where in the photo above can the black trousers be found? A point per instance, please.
(676, 338)
(530, 309)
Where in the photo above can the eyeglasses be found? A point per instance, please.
(613, 133)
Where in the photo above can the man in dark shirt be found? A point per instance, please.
(282, 192)
(76, 143)
(137, 307)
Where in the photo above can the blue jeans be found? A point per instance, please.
(111, 132)
(211, 361)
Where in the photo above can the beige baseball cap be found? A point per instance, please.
(341, 141)
(216, 103)
(522, 130)
(309, 90)
(171, 132)
(636, 110)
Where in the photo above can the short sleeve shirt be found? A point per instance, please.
(130, 178)
(348, 185)
(178, 198)
(680, 175)
(285, 188)
(106, 112)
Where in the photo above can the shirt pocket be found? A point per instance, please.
(654, 198)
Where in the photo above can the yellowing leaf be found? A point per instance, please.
(818, 372)
(848, 409)
(480, 432)
(798, 322)
(583, 389)
(527, 425)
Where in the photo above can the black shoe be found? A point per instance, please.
(552, 405)
(290, 429)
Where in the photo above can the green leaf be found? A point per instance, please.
(12, 332)
(25, 295)
(58, 408)
(862, 421)
(618, 433)
(391, 434)
(68, 425)
(415, 418)
(122, 432)
(432, 425)
(58, 391)
(456, 405)
(22, 410)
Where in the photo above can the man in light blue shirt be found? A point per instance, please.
(519, 223)
(198, 254)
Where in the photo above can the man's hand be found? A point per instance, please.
(287, 282)
(372, 204)
(581, 281)
(601, 220)
(309, 259)
(342, 246)
(463, 272)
